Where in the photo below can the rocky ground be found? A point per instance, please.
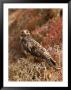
(45, 26)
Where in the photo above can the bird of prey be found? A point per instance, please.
(34, 48)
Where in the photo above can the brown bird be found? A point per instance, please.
(34, 48)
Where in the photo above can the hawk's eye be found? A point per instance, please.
(27, 32)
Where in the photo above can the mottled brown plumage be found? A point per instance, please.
(34, 48)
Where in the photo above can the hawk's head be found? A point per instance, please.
(24, 33)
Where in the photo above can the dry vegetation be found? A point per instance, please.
(45, 26)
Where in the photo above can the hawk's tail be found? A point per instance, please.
(51, 62)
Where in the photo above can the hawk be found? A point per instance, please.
(34, 48)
